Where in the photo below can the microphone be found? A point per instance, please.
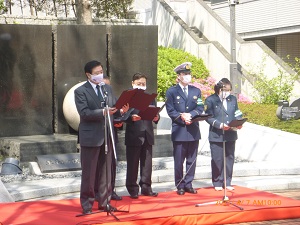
(104, 91)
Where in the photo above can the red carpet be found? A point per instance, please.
(168, 208)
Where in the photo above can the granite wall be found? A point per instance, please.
(26, 77)
(40, 63)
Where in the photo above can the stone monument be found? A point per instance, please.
(39, 64)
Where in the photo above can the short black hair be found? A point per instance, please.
(222, 83)
(138, 76)
(91, 65)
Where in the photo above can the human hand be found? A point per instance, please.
(188, 122)
(112, 110)
(124, 108)
(224, 126)
(118, 125)
(135, 117)
(239, 127)
(186, 117)
(156, 118)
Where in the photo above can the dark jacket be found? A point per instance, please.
(90, 109)
(138, 131)
(220, 115)
(178, 103)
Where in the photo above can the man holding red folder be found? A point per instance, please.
(139, 138)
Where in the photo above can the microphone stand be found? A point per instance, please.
(225, 200)
(108, 125)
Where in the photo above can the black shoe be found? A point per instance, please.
(150, 193)
(116, 197)
(107, 208)
(180, 191)
(87, 212)
(190, 190)
(134, 196)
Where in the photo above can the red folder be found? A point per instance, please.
(149, 113)
(137, 98)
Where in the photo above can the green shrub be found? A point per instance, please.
(265, 115)
(271, 90)
(168, 59)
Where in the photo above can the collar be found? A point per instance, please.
(93, 85)
(228, 98)
(183, 86)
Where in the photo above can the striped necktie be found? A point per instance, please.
(184, 91)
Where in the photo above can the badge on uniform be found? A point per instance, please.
(199, 101)
(238, 113)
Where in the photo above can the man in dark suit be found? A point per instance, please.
(139, 138)
(182, 104)
(90, 100)
(224, 108)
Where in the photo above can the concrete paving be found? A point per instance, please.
(268, 176)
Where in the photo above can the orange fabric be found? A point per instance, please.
(168, 208)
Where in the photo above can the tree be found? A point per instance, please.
(111, 8)
(84, 12)
(3, 8)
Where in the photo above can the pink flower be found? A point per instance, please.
(244, 99)
(207, 88)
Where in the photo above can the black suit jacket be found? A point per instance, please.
(90, 109)
(137, 132)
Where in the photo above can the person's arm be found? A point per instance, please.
(212, 120)
(83, 108)
(172, 112)
(210, 110)
(200, 106)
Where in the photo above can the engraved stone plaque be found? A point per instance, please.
(59, 162)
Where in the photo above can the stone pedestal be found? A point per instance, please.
(26, 148)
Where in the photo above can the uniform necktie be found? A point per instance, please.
(185, 92)
(99, 93)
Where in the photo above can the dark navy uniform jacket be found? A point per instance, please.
(215, 108)
(177, 103)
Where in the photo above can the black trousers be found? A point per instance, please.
(136, 155)
(217, 162)
(96, 176)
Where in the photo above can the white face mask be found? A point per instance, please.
(97, 78)
(139, 87)
(225, 94)
(186, 79)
